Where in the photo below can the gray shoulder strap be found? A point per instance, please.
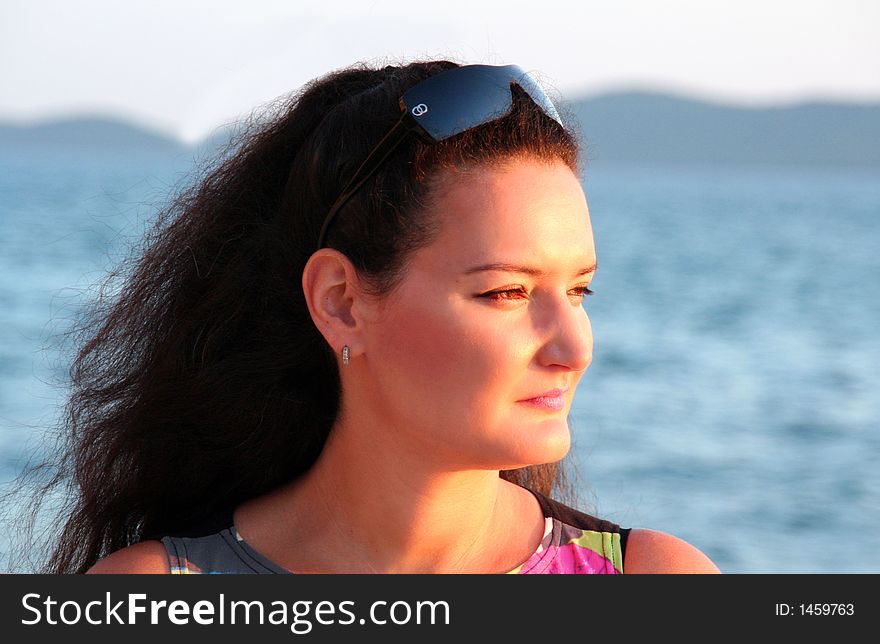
(219, 553)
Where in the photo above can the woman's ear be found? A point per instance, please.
(330, 286)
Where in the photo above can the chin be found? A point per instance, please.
(555, 450)
(547, 444)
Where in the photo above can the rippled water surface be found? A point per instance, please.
(734, 395)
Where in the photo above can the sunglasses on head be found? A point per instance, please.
(446, 104)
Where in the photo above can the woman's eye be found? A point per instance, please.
(505, 294)
(520, 293)
(581, 291)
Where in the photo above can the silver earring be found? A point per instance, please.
(345, 354)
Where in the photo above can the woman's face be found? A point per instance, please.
(474, 359)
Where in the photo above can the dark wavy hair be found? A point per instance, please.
(203, 382)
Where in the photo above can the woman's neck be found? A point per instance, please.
(366, 508)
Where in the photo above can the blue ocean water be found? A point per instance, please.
(734, 395)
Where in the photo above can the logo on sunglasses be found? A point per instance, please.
(420, 110)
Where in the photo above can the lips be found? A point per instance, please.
(553, 400)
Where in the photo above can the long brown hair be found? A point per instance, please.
(203, 381)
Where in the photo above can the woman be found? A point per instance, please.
(353, 348)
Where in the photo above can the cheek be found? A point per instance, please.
(433, 351)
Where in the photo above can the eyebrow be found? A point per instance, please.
(517, 268)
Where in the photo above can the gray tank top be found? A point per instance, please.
(573, 543)
(223, 552)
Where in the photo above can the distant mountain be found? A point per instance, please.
(638, 127)
(659, 128)
(94, 134)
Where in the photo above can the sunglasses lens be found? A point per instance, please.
(462, 98)
(444, 105)
(537, 94)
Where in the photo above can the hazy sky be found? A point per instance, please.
(184, 67)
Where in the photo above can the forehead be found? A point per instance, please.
(524, 210)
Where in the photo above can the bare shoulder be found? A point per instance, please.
(655, 552)
(146, 557)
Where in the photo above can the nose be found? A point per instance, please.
(568, 337)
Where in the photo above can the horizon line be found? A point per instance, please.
(175, 135)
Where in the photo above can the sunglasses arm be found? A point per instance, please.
(375, 159)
